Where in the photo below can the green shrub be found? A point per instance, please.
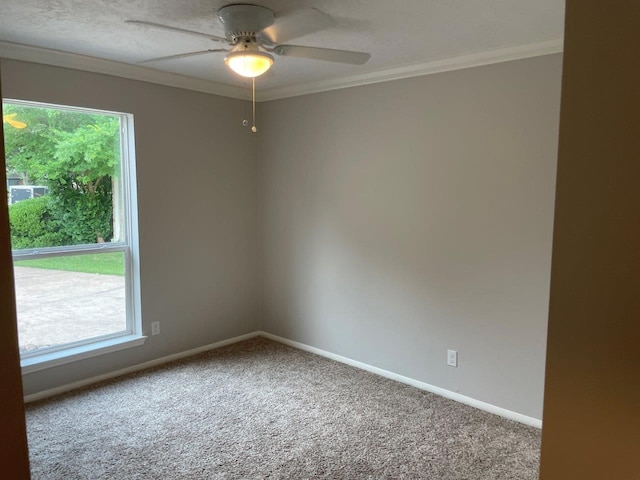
(32, 226)
(83, 212)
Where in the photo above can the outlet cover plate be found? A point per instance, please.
(452, 358)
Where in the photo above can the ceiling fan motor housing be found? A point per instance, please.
(244, 21)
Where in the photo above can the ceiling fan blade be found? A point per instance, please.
(295, 25)
(327, 54)
(183, 55)
(177, 29)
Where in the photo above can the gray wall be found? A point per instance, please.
(404, 218)
(385, 223)
(198, 210)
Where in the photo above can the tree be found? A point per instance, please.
(29, 149)
(80, 179)
(76, 155)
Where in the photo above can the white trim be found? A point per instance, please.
(66, 251)
(129, 186)
(129, 211)
(487, 407)
(58, 106)
(58, 58)
(73, 354)
(416, 70)
(141, 366)
(119, 69)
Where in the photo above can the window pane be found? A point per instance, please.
(69, 298)
(63, 176)
(69, 185)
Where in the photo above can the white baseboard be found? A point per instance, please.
(141, 366)
(487, 407)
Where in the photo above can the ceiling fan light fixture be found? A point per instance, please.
(249, 63)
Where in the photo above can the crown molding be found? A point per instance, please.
(416, 70)
(59, 58)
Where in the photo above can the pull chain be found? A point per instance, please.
(253, 127)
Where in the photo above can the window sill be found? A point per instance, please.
(54, 359)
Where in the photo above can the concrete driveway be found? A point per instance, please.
(56, 307)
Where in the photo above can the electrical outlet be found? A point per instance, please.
(452, 358)
(155, 328)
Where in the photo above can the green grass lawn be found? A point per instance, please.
(103, 263)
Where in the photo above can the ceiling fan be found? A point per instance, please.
(253, 35)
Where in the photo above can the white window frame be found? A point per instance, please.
(132, 336)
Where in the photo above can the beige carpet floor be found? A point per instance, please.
(259, 409)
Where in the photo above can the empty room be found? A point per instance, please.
(319, 239)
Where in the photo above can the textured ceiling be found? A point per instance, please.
(396, 33)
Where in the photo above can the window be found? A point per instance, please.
(72, 212)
